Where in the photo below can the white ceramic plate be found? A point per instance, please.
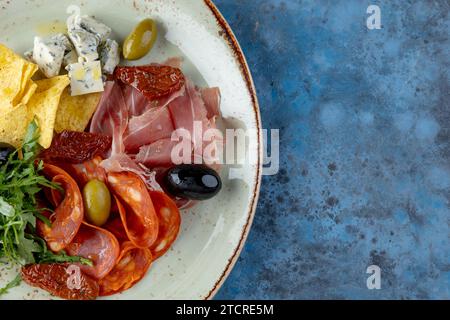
(213, 232)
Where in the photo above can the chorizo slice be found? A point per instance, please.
(115, 224)
(136, 208)
(131, 267)
(98, 245)
(57, 279)
(68, 215)
(86, 171)
(169, 223)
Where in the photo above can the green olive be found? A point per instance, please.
(141, 40)
(97, 202)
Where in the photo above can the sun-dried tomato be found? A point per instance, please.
(57, 279)
(154, 81)
(76, 147)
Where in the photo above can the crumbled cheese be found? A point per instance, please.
(93, 26)
(70, 58)
(48, 55)
(58, 40)
(85, 77)
(29, 55)
(64, 40)
(85, 43)
(109, 56)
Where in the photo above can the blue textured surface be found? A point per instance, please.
(365, 149)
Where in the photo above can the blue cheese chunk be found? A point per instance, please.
(29, 55)
(64, 40)
(85, 77)
(109, 56)
(86, 44)
(70, 58)
(93, 26)
(48, 55)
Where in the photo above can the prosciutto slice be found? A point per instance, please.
(211, 97)
(157, 154)
(136, 102)
(142, 126)
(187, 109)
(111, 118)
(153, 125)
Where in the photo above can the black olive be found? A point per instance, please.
(193, 182)
(5, 151)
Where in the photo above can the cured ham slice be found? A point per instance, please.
(111, 118)
(68, 216)
(136, 102)
(158, 154)
(98, 245)
(131, 267)
(142, 109)
(136, 208)
(187, 109)
(211, 97)
(153, 125)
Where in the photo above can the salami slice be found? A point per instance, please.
(68, 215)
(98, 245)
(136, 208)
(169, 223)
(86, 171)
(131, 267)
(115, 224)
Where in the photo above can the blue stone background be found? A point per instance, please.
(365, 149)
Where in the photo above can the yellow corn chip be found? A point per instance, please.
(44, 106)
(74, 113)
(29, 91)
(13, 125)
(28, 71)
(15, 73)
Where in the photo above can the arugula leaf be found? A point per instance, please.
(17, 280)
(30, 144)
(62, 257)
(20, 182)
(6, 209)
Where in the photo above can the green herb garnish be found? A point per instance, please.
(11, 285)
(20, 182)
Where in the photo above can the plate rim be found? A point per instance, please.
(234, 45)
(229, 38)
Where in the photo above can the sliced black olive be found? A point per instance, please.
(5, 151)
(193, 182)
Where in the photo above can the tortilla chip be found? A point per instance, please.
(28, 92)
(28, 71)
(15, 74)
(44, 106)
(13, 125)
(74, 113)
